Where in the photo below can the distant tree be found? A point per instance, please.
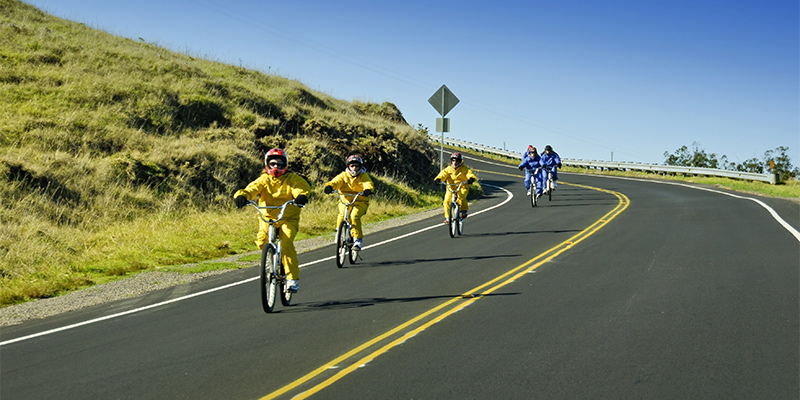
(422, 129)
(697, 157)
(752, 165)
(781, 163)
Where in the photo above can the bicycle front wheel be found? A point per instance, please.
(269, 281)
(549, 190)
(533, 196)
(353, 255)
(341, 244)
(453, 220)
(285, 294)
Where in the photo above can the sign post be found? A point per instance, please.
(443, 100)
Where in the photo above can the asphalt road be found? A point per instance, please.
(615, 289)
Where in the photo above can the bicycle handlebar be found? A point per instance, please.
(280, 215)
(450, 185)
(355, 196)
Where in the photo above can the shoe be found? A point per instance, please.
(357, 245)
(538, 195)
(529, 192)
(292, 285)
(463, 215)
(446, 221)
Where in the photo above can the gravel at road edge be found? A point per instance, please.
(150, 281)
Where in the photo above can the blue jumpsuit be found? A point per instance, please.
(551, 162)
(533, 170)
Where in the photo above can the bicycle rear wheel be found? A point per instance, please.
(453, 218)
(341, 244)
(459, 225)
(269, 282)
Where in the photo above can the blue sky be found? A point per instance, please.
(591, 78)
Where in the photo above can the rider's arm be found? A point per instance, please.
(524, 163)
(471, 175)
(252, 189)
(442, 175)
(336, 182)
(299, 186)
(367, 183)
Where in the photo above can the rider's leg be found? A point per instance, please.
(287, 232)
(528, 180)
(446, 204)
(538, 182)
(462, 202)
(356, 213)
(261, 236)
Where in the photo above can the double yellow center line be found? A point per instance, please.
(442, 311)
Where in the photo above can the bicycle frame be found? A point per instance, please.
(273, 276)
(456, 223)
(549, 185)
(344, 245)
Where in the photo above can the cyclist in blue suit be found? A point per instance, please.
(552, 162)
(531, 164)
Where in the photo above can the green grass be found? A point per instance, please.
(118, 156)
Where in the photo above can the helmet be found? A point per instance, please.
(355, 159)
(531, 148)
(456, 156)
(283, 162)
(548, 148)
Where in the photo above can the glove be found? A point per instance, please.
(240, 201)
(367, 192)
(328, 189)
(438, 181)
(521, 167)
(301, 200)
(470, 181)
(559, 165)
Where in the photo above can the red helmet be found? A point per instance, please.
(456, 156)
(280, 165)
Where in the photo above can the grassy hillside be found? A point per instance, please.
(117, 155)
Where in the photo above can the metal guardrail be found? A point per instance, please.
(614, 165)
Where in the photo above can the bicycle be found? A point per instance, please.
(455, 223)
(273, 273)
(344, 237)
(534, 196)
(550, 185)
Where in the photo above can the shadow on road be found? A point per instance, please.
(367, 264)
(367, 302)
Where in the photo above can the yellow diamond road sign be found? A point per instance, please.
(443, 100)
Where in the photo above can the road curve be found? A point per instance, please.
(614, 289)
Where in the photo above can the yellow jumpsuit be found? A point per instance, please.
(348, 184)
(274, 191)
(455, 176)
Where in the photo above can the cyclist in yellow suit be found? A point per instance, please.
(351, 181)
(274, 187)
(456, 173)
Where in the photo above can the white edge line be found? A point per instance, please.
(769, 209)
(177, 299)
